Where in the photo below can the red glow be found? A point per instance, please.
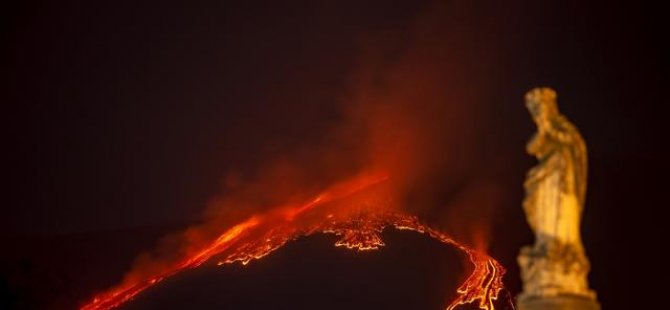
(338, 210)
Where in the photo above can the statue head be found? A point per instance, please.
(541, 103)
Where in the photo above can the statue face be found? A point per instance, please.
(534, 108)
(541, 103)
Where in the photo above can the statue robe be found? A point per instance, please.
(555, 188)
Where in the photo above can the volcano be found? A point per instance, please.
(356, 211)
(412, 271)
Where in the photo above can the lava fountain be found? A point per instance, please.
(356, 210)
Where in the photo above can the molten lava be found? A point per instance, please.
(357, 211)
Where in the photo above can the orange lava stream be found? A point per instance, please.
(329, 212)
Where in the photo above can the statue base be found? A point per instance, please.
(562, 302)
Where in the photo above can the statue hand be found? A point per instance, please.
(536, 143)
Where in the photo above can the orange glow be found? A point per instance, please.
(333, 211)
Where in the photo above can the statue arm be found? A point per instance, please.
(561, 136)
(535, 175)
(561, 131)
(537, 142)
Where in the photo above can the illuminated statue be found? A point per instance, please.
(554, 269)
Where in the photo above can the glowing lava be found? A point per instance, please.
(357, 211)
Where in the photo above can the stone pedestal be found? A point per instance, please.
(564, 302)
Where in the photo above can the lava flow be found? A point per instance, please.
(357, 211)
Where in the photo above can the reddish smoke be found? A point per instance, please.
(418, 106)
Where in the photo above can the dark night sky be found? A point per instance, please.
(121, 118)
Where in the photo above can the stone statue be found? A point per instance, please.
(554, 270)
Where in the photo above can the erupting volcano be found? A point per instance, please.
(403, 144)
(357, 211)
